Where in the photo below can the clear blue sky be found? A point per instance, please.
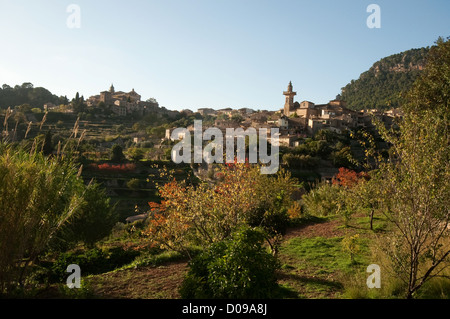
(208, 53)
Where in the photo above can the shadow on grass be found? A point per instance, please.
(287, 293)
(317, 283)
(306, 221)
(375, 229)
(313, 281)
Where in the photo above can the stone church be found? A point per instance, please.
(333, 116)
(122, 103)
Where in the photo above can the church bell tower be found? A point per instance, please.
(289, 103)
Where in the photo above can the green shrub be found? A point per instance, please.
(272, 217)
(350, 245)
(134, 184)
(238, 267)
(436, 288)
(93, 261)
(324, 200)
(95, 220)
(38, 196)
(84, 292)
(117, 154)
(300, 161)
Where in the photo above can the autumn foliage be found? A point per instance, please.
(205, 213)
(119, 168)
(347, 177)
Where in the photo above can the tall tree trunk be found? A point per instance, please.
(371, 219)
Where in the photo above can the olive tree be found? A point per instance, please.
(414, 184)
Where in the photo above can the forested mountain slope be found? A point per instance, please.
(382, 85)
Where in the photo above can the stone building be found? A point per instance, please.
(333, 116)
(122, 103)
(289, 106)
(206, 111)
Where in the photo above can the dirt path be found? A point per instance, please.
(164, 281)
(324, 229)
(160, 282)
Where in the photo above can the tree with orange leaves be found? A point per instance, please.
(347, 177)
(204, 214)
(355, 195)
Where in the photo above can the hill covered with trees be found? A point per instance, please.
(382, 85)
(27, 94)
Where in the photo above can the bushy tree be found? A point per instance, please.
(117, 154)
(343, 157)
(237, 267)
(38, 196)
(347, 177)
(78, 104)
(94, 220)
(204, 214)
(47, 147)
(300, 161)
(133, 184)
(135, 153)
(323, 200)
(316, 148)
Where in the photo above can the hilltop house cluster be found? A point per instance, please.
(125, 103)
(334, 116)
(297, 120)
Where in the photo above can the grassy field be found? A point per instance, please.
(315, 261)
(314, 264)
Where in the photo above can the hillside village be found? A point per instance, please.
(298, 120)
(110, 108)
(118, 117)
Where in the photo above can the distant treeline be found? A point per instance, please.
(28, 94)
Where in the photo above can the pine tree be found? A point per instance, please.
(47, 148)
